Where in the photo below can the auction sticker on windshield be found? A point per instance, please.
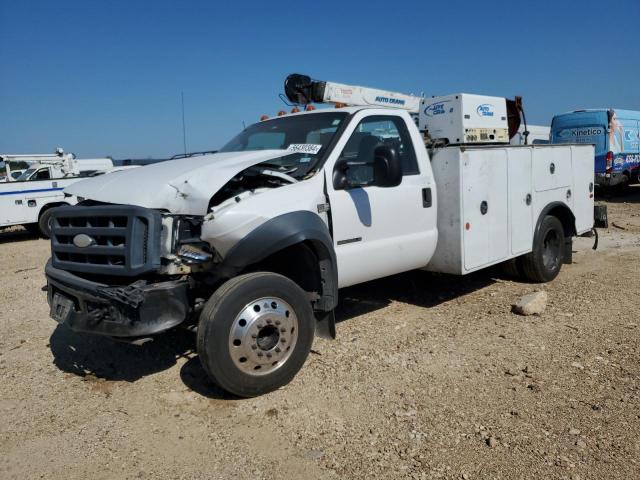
(311, 148)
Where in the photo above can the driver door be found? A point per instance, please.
(380, 231)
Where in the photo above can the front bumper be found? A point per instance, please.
(135, 310)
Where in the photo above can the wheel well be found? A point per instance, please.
(49, 206)
(566, 217)
(297, 262)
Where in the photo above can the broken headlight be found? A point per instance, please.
(186, 240)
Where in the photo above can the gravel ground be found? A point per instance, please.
(431, 377)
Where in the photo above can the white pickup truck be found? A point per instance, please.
(254, 242)
(28, 200)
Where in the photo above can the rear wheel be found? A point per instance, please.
(255, 333)
(512, 268)
(623, 187)
(545, 260)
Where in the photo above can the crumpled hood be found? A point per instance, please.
(179, 186)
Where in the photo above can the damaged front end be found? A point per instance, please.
(130, 271)
(123, 271)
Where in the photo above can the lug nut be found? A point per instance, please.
(277, 322)
(260, 354)
(254, 336)
(283, 340)
(278, 350)
(268, 355)
(253, 347)
(283, 330)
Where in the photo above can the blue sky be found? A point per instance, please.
(104, 78)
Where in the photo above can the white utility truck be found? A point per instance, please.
(254, 242)
(28, 199)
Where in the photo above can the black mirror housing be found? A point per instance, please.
(340, 181)
(387, 168)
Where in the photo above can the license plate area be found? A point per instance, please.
(61, 308)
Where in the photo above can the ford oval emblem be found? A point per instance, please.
(83, 241)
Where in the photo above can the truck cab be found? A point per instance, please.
(39, 173)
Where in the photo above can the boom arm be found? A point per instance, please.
(301, 89)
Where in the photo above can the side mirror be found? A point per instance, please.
(340, 181)
(387, 169)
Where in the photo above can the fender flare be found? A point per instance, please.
(284, 231)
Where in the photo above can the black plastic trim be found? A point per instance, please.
(134, 310)
(282, 232)
(141, 248)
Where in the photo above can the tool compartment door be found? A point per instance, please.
(520, 200)
(551, 168)
(485, 208)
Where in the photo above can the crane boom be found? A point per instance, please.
(301, 89)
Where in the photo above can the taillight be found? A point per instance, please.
(609, 163)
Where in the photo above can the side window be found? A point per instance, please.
(42, 174)
(368, 135)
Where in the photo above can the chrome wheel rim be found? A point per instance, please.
(263, 336)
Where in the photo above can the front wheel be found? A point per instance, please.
(255, 333)
(545, 260)
(44, 223)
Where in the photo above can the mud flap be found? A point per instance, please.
(568, 251)
(326, 325)
(600, 216)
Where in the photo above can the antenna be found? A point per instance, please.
(184, 130)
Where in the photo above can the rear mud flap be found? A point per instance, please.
(326, 325)
(600, 216)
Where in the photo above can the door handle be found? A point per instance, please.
(426, 198)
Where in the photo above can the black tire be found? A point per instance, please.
(545, 261)
(511, 268)
(44, 223)
(221, 321)
(622, 188)
(32, 228)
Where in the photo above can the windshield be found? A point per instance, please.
(306, 135)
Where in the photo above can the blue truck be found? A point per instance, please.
(616, 136)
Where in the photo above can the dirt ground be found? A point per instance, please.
(430, 377)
